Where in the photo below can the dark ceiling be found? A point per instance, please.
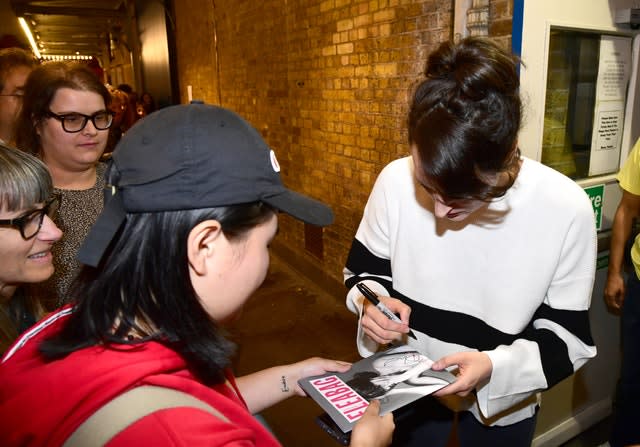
(65, 27)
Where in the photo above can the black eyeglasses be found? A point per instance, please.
(30, 222)
(75, 122)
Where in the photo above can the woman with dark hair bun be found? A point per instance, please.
(487, 255)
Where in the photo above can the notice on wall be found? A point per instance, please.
(609, 124)
(614, 69)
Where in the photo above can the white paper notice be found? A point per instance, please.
(613, 76)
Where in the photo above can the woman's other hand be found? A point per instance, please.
(473, 368)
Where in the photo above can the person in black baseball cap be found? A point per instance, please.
(192, 157)
(140, 356)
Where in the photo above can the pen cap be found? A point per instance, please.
(368, 293)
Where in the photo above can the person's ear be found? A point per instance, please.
(201, 244)
(515, 150)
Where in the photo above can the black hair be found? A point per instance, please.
(125, 88)
(361, 382)
(142, 285)
(464, 119)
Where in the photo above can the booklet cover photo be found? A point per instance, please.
(395, 377)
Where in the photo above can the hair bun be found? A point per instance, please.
(475, 67)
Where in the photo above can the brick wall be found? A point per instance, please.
(327, 83)
(500, 15)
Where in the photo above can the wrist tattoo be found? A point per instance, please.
(283, 382)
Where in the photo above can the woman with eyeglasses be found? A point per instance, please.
(65, 122)
(27, 235)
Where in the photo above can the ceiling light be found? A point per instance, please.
(32, 42)
(59, 57)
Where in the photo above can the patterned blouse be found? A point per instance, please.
(78, 211)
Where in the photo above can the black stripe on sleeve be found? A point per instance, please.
(575, 321)
(553, 354)
(553, 350)
(361, 260)
(455, 327)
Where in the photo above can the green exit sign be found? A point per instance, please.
(596, 194)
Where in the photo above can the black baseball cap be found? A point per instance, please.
(191, 157)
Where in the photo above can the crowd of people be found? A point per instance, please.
(87, 305)
(127, 108)
(84, 303)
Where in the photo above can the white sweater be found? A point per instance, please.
(513, 281)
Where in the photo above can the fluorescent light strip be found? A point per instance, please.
(59, 57)
(32, 41)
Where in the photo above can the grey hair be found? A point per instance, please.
(24, 180)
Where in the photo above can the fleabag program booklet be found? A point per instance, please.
(395, 377)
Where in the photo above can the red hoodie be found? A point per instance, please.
(42, 403)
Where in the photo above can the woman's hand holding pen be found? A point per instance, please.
(380, 328)
(473, 367)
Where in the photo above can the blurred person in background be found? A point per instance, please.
(15, 66)
(119, 104)
(148, 103)
(131, 113)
